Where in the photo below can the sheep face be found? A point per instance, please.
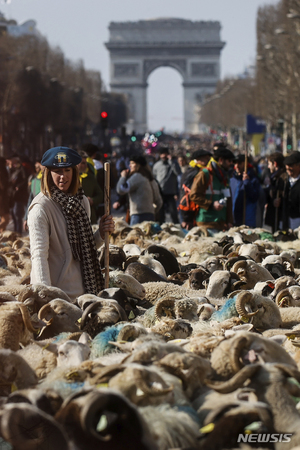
(59, 316)
(72, 354)
(251, 273)
(173, 329)
(197, 276)
(212, 264)
(142, 386)
(246, 348)
(264, 313)
(126, 282)
(218, 284)
(288, 297)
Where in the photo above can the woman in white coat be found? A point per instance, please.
(63, 247)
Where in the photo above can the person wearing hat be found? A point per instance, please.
(199, 160)
(143, 191)
(245, 190)
(291, 193)
(62, 244)
(166, 172)
(211, 192)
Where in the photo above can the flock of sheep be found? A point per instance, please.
(195, 345)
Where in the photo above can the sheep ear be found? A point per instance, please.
(84, 338)
(279, 338)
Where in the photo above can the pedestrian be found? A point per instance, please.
(19, 192)
(291, 193)
(89, 184)
(187, 210)
(183, 162)
(274, 190)
(166, 171)
(4, 195)
(143, 191)
(34, 187)
(62, 244)
(245, 189)
(211, 192)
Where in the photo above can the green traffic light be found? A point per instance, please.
(133, 138)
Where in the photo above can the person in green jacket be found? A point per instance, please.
(211, 191)
(90, 186)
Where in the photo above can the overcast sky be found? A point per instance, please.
(80, 28)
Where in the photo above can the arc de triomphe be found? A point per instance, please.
(138, 48)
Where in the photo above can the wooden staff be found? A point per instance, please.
(106, 211)
(245, 200)
(276, 211)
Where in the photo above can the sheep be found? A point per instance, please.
(130, 285)
(27, 427)
(191, 369)
(120, 421)
(142, 386)
(59, 316)
(196, 277)
(70, 353)
(16, 326)
(164, 256)
(246, 348)
(100, 314)
(143, 273)
(266, 313)
(131, 249)
(15, 373)
(35, 296)
(173, 328)
(172, 427)
(288, 297)
(271, 385)
(251, 272)
(178, 309)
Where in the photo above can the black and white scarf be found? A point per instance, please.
(81, 238)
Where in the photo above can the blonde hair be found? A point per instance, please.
(47, 181)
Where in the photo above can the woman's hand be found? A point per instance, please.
(106, 224)
(124, 173)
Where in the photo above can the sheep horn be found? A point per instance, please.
(282, 298)
(161, 304)
(126, 425)
(98, 304)
(143, 382)
(130, 332)
(235, 352)
(236, 381)
(27, 427)
(289, 371)
(30, 325)
(25, 293)
(104, 374)
(242, 299)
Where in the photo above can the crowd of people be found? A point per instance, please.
(215, 188)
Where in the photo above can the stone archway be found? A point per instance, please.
(138, 48)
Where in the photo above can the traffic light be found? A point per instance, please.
(104, 120)
(133, 136)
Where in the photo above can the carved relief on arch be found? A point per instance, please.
(152, 64)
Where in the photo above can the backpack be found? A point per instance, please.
(185, 203)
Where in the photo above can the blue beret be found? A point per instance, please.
(57, 157)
